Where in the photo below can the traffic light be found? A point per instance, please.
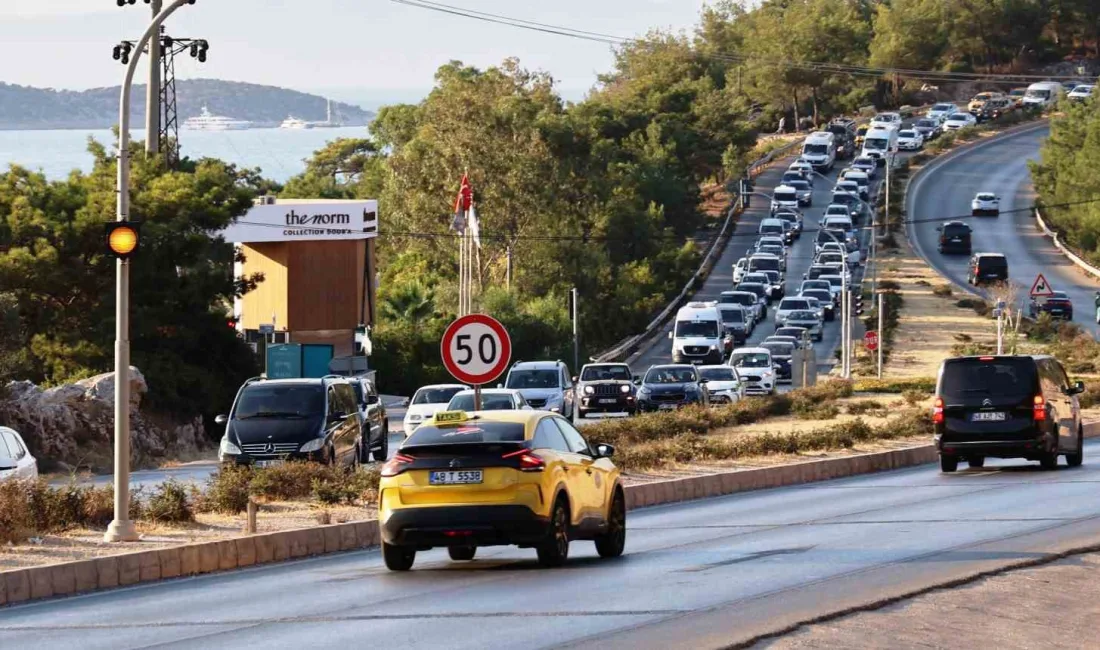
(123, 238)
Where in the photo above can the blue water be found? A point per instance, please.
(279, 153)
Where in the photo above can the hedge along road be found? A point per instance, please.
(699, 574)
(944, 190)
(798, 262)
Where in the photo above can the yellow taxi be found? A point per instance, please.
(490, 478)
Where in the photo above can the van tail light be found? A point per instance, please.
(528, 462)
(396, 465)
(1039, 409)
(937, 411)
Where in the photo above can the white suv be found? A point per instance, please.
(15, 461)
(756, 369)
(546, 385)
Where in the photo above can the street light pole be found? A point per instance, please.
(152, 93)
(121, 528)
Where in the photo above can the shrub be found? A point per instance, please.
(227, 490)
(868, 406)
(16, 520)
(914, 397)
(943, 290)
(825, 411)
(980, 307)
(1087, 399)
(170, 503)
(924, 384)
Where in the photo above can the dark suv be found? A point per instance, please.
(375, 439)
(274, 420)
(1006, 407)
(985, 268)
(954, 238)
(606, 388)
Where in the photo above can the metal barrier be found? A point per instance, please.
(1073, 257)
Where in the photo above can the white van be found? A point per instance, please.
(784, 196)
(819, 150)
(881, 144)
(1042, 94)
(697, 334)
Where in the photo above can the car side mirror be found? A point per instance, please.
(604, 450)
(405, 402)
(574, 380)
(939, 228)
(372, 399)
(670, 335)
(1078, 387)
(8, 464)
(221, 419)
(704, 381)
(500, 385)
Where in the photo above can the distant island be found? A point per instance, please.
(23, 107)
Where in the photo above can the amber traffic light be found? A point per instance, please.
(123, 238)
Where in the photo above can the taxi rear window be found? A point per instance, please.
(472, 431)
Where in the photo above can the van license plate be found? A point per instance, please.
(988, 417)
(607, 401)
(455, 477)
(666, 407)
(269, 463)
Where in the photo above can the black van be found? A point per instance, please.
(954, 238)
(275, 420)
(987, 268)
(1006, 407)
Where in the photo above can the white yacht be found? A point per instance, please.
(207, 121)
(295, 123)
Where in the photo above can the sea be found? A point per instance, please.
(279, 153)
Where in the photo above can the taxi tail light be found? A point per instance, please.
(396, 465)
(528, 462)
(1039, 409)
(937, 411)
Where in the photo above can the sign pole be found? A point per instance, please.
(477, 397)
(880, 304)
(576, 339)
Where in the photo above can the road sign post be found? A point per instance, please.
(476, 349)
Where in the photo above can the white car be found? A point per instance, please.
(492, 399)
(16, 461)
(740, 269)
(756, 369)
(723, 385)
(1081, 92)
(910, 140)
(886, 121)
(804, 168)
(866, 165)
(787, 306)
(861, 179)
(940, 112)
(985, 203)
(428, 401)
(958, 121)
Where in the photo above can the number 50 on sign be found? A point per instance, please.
(476, 349)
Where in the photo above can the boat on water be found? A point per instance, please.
(295, 123)
(207, 121)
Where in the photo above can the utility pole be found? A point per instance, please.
(508, 268)
(576, 338)
(152, 90)
(881, 302)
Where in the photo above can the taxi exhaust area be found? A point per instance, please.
(70, 578)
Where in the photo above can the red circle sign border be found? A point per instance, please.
(870, 339)
(452, 331)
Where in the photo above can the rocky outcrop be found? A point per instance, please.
(73, 425)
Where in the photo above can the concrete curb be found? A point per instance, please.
(68, 578)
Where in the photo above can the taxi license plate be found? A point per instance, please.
(269, 463)
(988, 417)
(607, 401)
(455, 477)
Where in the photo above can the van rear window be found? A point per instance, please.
(957, 230)
(992, 262)
(964, 380)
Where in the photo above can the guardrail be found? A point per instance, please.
(1073, 257)
(629, 344)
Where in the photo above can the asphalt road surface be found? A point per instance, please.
(944, 191)
(701, 574)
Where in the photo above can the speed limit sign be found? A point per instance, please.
(476, 349)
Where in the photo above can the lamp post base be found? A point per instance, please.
(121, 530)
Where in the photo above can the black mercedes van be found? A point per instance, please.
(954, 238)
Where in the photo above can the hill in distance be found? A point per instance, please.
(24, 107)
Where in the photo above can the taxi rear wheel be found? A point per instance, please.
(554, 550)
(462, 553)
(398, 558)
(612, 543)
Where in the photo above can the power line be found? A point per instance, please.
(814, 66)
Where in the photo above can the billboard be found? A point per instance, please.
(305, 221)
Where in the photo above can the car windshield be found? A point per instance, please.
(606, 373)
(773, 250)
(803, 315)
(763, 264)
(1038, 94)
(834, 280)
(958, 117)
(281, 400)
(985, 197)
(722, 373)
(821, 294)
(435, 395)
(737, 298)
(750, 360)
(732, 315)
(771, 229)
(785, 195)
(533, 378)
(943, 107)
(963, 379)
(489, 402)
(906, 134)
(816, 148)
(800, 185)
(707, 329)
(474, 431)
(778, 349)
(926, 123)
(670, 375)
(753, 287)
(793, 303)
(875, 144)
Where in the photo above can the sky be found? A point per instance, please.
(364, 51)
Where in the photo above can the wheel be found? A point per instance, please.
(612, 543)
(398, 558)
(361, 457)
(948, 463)
(462, 553)
(582, 414)
(1077, 457)
(1049, 461)
(554, 550)
(976, 461)
(382, 453)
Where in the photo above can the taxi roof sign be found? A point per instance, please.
(451, 417)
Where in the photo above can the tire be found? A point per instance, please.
(383, 450)
(612, 543)
(581, 414)
(976, 461)
(554, 550)
(398, 558)
(1049, 461)
(1077, 457)
(462, 553)
(948, 464)
(361, 457)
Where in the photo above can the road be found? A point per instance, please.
(701, 574)
(945, 190)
